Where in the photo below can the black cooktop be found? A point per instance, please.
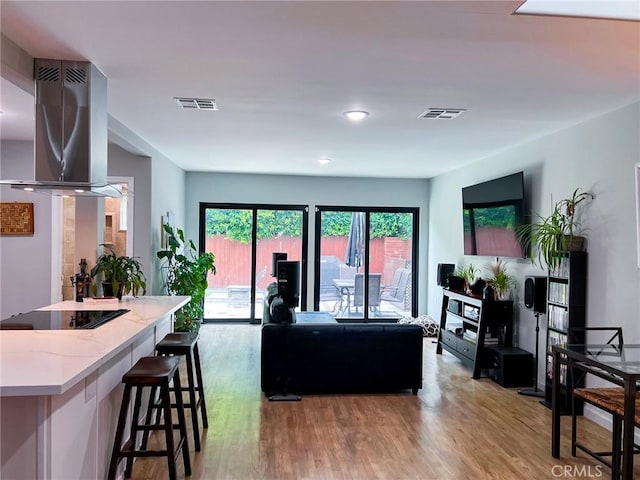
(60, 319)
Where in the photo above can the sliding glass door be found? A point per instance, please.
(364, 262)
(243, 238)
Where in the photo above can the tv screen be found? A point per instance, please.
(491, 213)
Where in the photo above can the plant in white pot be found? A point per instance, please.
(500, 281)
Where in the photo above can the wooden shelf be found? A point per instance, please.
(469, 338)
(571, 286)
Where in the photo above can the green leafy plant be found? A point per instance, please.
(500, 281)
(556, 233)
(122, 272)
(468, 272)
(186, 274)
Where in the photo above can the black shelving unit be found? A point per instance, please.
(566, 309)
(470, 325)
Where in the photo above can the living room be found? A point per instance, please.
(246, 437)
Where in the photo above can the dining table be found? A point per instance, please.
(616, 363)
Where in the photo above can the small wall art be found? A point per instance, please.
(168, 219)
(16, 218)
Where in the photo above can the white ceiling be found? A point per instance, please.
(283, 73)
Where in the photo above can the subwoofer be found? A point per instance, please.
(444, 270)
(535, 292)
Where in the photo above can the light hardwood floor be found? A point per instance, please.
(455, 428)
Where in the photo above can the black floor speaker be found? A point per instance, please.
(535, 293)
(444, 270)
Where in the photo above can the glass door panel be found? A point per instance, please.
(349, 287)
(277, 231)
(228, 235)
(243, 239)
(391, 257)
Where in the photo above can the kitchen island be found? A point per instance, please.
(60, 390)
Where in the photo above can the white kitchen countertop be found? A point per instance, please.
(49, 362)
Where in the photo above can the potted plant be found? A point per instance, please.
(468, 274)
(560, 232)
(501, 281)
(186, 274)
(120, 274)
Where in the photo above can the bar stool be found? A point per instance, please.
(154, 372)
(178, 344)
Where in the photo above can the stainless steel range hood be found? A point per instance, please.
(70, 145)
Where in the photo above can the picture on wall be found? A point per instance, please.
(16, 218)
(168, 219)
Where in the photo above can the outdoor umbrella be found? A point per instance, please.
(355, 242)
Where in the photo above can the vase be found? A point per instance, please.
(503, 295)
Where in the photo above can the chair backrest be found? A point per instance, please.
(329, 271)
(374, 290)
(261, 274)
(598, 335)
(397, 291)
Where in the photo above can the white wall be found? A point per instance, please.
(598, 155)
(167, 193)
(25, 261)
(125, 164)
(312, 191)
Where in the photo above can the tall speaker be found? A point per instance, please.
(275, 258)
(535, 292)
(444, 270)
(288, 274)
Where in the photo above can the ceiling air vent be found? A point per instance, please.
(442, 113)
(196, 103)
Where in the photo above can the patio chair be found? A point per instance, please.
(396, 292)
(374, 291)
(329, 270)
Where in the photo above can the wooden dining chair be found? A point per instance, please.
(607, 399)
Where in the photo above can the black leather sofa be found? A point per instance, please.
(341, 358)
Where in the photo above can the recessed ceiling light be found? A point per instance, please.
(28, 189)
(79, 190)
(356, 115)
(324, 160)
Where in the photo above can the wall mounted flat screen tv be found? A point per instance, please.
(491, 213)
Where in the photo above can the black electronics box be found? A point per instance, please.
(513, 366)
